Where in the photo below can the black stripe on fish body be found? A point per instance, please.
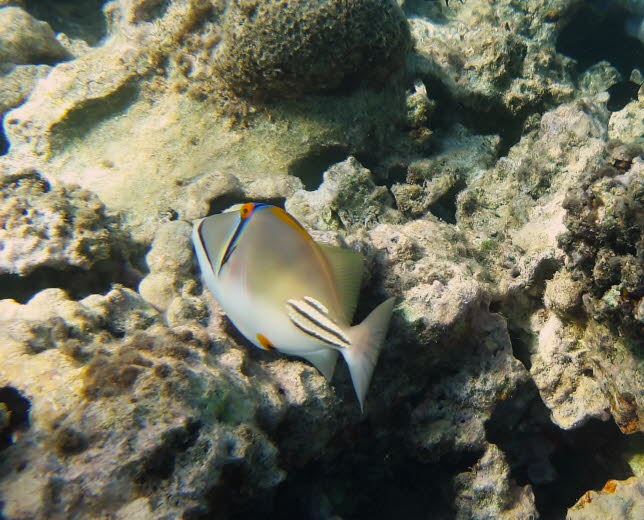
(317, 336)
(318, 314)
(328, 332)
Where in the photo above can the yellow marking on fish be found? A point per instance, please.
(286, 218)
(265, 342)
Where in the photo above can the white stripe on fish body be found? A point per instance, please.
(316, 304)
(312, 318)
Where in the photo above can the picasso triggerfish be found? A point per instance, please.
(284, 291)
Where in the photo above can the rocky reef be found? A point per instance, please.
(488, 165)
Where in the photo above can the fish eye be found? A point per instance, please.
(247, 209)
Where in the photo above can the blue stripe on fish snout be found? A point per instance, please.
(245, 215)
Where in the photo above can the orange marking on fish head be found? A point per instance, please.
(246, 210)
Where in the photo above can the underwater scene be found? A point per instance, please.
(322, 259)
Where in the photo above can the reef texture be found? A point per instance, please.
(23, 39)
(493, 184)
(617, 500)
(277, 48)
(49, 226)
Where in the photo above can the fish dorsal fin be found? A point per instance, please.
(347, 266)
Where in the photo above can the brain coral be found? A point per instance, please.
(285, 48)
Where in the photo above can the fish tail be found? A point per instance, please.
(366, 341)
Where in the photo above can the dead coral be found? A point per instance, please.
(45, 225)
(604, 244)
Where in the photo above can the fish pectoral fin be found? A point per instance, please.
(324, 360)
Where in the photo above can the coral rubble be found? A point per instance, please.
(493, 184)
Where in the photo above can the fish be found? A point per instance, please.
(284, 291)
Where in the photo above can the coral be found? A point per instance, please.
(491, 55)
(5, 416)
(347, 198)
(170, 261)
(170, 285)
(523, 187)
(508, 500)
(618, 500)
(599, 77)
(543, 204)
(45, 225)
(17, 82)
(627, 125)
(162, 413)
(100, 120)
(589, 363)
(77, 25)
(512, 372)
(281, 49)
(604, 245)
(23, 39)
(563, 294)
(431, 184)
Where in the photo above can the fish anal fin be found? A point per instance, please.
(347, 267)
(324, 360)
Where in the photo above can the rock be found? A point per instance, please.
(170, 261)
(23, 39)
(17, 82)
(164, 409)
(432, 183)
(273, 49)
(618, 500)
(5, 417)
(563, 294)
(599, 77)
(346, 199)
(626, 125)
(486, 63)
(49, 226)
(419, 107)
(508, 500)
